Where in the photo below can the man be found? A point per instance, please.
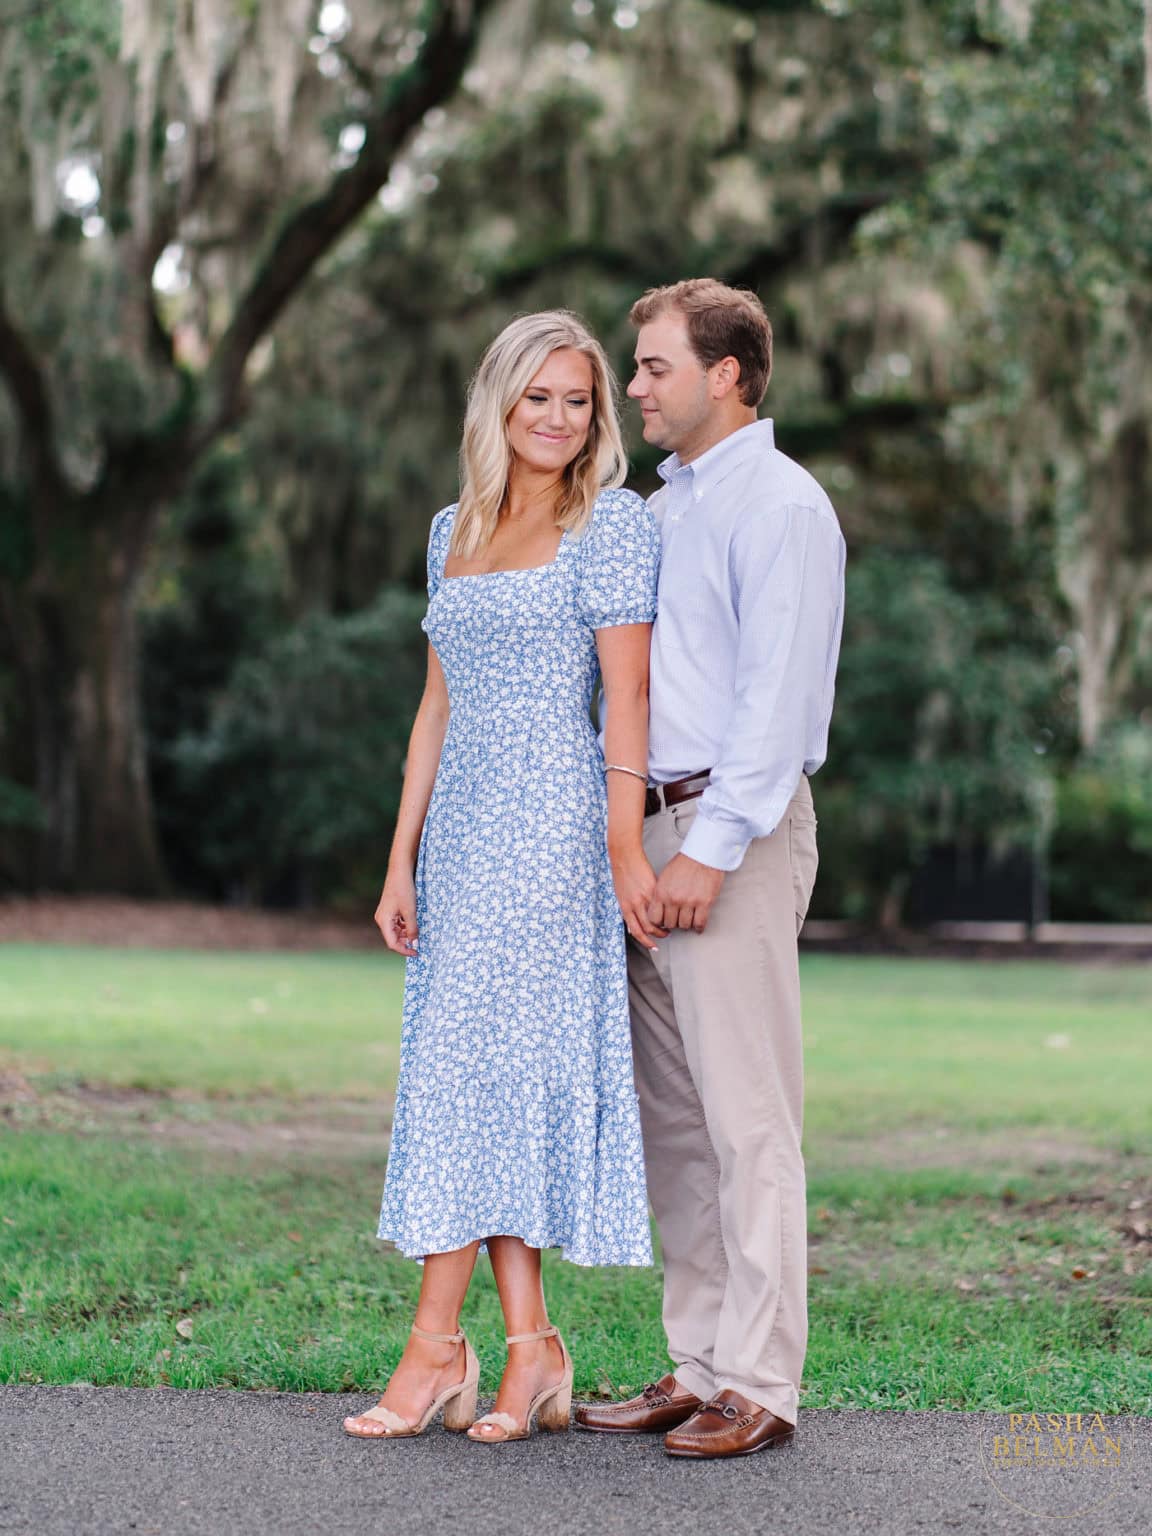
(744, 654)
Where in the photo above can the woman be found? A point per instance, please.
(516, 1120)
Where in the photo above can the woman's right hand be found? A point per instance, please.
(635, 880)
(396, 914)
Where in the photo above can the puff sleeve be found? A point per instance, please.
(438, 540)
(620, 562)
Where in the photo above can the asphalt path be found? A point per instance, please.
(81, 1460)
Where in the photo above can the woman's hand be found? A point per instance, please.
(396, 914)
(635, 880)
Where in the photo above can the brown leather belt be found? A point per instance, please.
(662, 796)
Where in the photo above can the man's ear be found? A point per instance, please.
(725, 377)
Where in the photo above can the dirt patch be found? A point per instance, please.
(332, 1128)
(352, 1127)
(1088, 1236)
(109, 921)
(267, 1124)
(1078, 1222)
(945, 1147)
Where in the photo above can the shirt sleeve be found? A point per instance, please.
(438, 540)
(620, 564)
(789, 572)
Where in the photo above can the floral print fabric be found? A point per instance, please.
(516, 1110)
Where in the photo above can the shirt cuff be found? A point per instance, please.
(719, 844)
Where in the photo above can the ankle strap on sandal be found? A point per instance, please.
(438, 1338)
(529, 1338)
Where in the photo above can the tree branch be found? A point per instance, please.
(830, 226)
(451, 31)
(824, 232)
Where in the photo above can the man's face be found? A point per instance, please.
(670, 385)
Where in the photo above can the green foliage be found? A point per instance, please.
(213, 597)
(68, 38)
(302, 757)
(1045, 148)
(277, 728)
(1101, 852)
(19, 807)
(21, 810)
(940, 710)
(987, 336)
(1038, 198)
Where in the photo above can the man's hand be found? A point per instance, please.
(684, 894)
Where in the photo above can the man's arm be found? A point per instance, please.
(789, 568)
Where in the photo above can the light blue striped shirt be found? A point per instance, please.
(747, 636)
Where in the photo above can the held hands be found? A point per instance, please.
(396, 914)
(684, 895)
(635, 880)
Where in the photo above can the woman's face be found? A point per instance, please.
(549, 424)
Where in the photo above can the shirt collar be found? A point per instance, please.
(723, 457)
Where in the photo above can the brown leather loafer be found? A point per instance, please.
(662, 1405)
(728, 1425)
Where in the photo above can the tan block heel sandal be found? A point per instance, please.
(551, 1408)
(458, 1402)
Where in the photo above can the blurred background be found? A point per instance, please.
(249, 256)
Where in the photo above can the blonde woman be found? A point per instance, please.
(517, 849)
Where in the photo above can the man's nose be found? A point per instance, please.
(636, 389)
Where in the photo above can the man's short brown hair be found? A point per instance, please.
(721, 322)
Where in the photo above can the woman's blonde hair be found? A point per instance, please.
(508, 366)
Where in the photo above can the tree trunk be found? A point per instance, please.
(1107, 578)
(68, 576)
(75, 650)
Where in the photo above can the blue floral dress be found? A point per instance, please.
(516, 1110)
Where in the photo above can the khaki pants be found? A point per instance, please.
(719, 1071)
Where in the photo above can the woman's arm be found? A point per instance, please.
(623, 651)
(396, 912)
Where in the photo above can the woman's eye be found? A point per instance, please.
(537, 399)
(577, 402)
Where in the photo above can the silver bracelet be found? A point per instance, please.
(620, 768)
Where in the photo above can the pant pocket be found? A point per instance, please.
(804, 860)
(682, 816)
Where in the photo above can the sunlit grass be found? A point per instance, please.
(889, 1042)
(950, 1275)
(135, 1264)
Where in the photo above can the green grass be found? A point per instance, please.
(206, 1023)
(913, 1042)
(947, 1282)
(273, 1270)
(889, 1042)
(105, 1247)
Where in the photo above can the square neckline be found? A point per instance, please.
(510, 570)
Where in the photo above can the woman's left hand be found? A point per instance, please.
(635, 880)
